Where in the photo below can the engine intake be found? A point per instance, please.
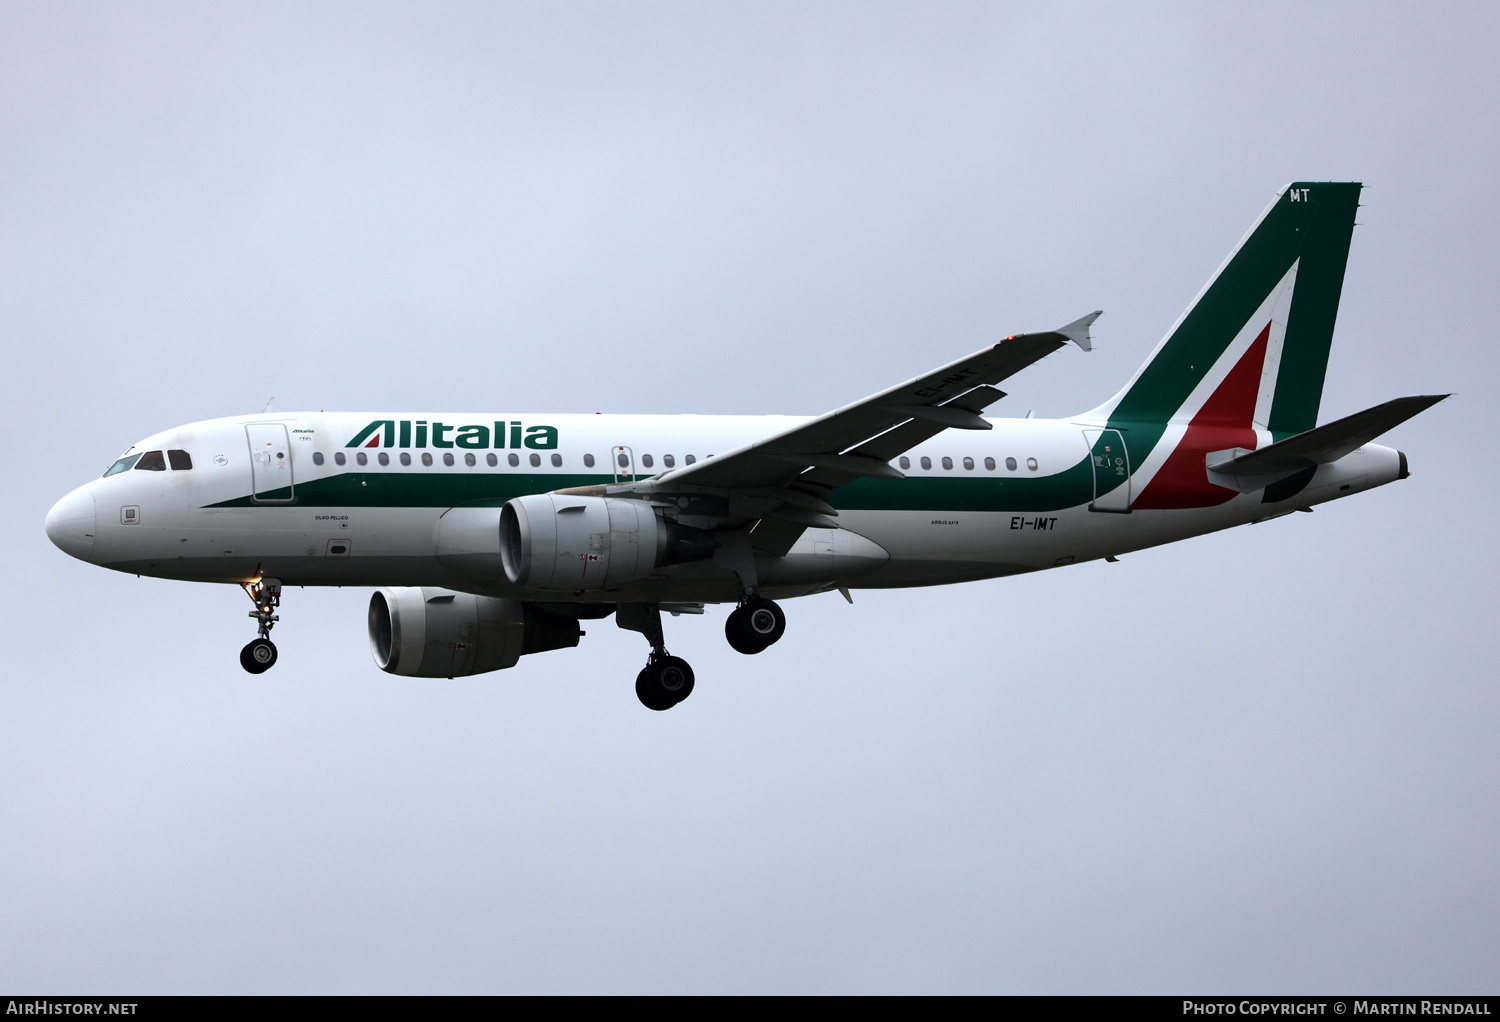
(437, 633)
(578, 544)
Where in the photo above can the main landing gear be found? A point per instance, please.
(754, 625)
(666, 680)
(259, 655)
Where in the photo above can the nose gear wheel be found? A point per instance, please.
(259, 655)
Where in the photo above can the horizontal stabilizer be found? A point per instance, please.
(1325, 443)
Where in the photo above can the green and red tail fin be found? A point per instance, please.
(1266, 316)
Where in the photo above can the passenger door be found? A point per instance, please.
(270, 463)
(1111, 470)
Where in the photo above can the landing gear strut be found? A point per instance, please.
(666, 680)
(754, 625)
(259, 655)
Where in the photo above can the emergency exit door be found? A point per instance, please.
(1111, 470)
(270, 463)
(624, 462)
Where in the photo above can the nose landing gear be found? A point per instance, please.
(755, 625)
(259, 655)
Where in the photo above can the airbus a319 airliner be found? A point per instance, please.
(493, 535)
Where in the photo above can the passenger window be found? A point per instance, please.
(668, 460)
(646, 460)
(317, 458)
(926, 462)
(989, 464)
(1010, 464)
(588, 461)
(557, 461)
(448, 460)
(471, 461)
(405, 458)
(181, 461)
(969, 464)
(385, 459)
(338, 457)
(690, 459)
(122, 465)
(151, 461)
(1031, 464)
(536, 460)
(905, 462)
(491, 460)
(513, 460)
(362, 458)
(426, 458)
(947, 462)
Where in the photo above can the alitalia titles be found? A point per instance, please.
(421, 433)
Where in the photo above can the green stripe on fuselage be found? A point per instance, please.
(419, 489)
(966, 492)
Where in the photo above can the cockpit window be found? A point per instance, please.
(181, 461)
(151, 461)
(123, 464)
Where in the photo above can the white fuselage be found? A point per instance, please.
(974, 504)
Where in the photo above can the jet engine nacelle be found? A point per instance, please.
(577, 544)
(423, 632)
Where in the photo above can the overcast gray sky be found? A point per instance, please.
(1264, 760)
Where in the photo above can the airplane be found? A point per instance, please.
(494, 536)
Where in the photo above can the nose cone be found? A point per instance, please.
(70, 524)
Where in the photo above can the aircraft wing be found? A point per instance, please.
(859, 439)
(781, 485)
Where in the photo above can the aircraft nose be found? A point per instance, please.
(70, 524)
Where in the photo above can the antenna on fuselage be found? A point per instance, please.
(271, 401)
